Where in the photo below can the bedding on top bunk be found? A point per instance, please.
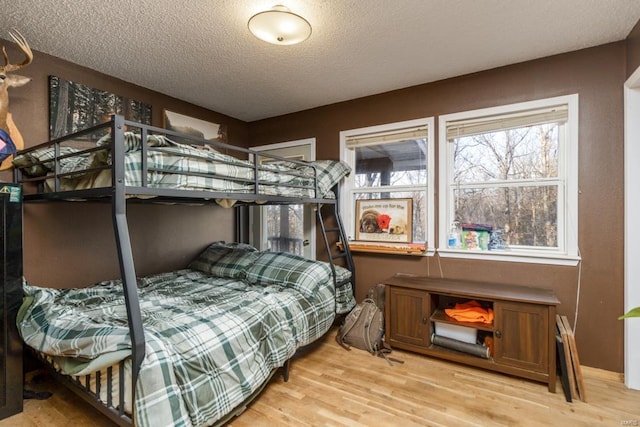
(181, 166)
(214, 331)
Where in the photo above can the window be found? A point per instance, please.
(514, 169)
(393, 161)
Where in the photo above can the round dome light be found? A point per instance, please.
(279, 26)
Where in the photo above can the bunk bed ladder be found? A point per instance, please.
(125, 253)
(335, 254)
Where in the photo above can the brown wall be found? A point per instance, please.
(633, 50)
(72, 244)
(597, 75)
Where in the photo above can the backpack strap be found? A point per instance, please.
(386, 349)
(371, 346)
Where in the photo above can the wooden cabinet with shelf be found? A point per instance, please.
(522, 332)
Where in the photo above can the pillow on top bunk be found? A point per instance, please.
(39, 162)
(329, 173)
(227, 260)
(132, 141)
(289, 270)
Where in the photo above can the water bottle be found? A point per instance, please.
(454, 236)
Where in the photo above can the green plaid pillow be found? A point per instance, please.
(282, 268)
(132, 141)
(227, 260)
(39, 162)
(330, 172)
(342, 273)
(345, 300)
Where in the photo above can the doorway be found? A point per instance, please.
(285, 228)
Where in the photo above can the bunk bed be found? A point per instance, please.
(196, 345)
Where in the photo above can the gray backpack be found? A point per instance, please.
(363, 328)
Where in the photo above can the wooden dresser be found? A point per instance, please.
(521, 336)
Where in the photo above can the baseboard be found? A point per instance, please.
(602, 374)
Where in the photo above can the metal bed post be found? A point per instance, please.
(125, 254)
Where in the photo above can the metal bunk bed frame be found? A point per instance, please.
(117, 193)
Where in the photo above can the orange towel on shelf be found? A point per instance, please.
(470, 312)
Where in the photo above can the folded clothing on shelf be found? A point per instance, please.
(470, 311)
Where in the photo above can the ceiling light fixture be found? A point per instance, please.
(279, 26)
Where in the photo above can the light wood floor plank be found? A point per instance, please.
(329, 386)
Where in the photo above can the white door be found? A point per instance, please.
(285, 228)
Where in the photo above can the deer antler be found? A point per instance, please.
(24, 46)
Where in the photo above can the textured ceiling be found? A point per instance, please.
(201, 51)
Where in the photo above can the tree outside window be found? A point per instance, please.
(513, 169)
(509, 179)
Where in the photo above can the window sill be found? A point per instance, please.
(511, 256)
(390, 248)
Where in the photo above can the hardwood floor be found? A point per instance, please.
(329, 386)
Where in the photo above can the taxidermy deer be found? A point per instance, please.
(7, 147)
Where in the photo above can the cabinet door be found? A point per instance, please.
(520, 336)
(407, 317)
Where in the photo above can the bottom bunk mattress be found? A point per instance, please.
(210, 341)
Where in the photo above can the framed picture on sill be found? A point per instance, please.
(384, 220)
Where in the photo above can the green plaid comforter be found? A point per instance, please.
(180, 166)
(210, 342)
(183, 167)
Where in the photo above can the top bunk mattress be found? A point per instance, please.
(156, 161)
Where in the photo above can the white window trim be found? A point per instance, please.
(347, 211)
(568, 254)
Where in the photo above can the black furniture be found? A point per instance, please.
(11, 377)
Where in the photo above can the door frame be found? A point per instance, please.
(631, 229)
(255, 224)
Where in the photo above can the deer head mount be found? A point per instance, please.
(13, 80)
(7, 80)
